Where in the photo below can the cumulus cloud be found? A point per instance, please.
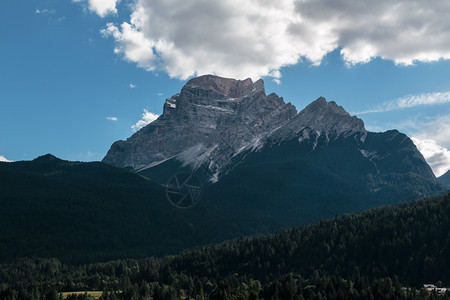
(112, 119)
(254, 38)
(436, 156)
(432, 137)
(4, 159)
(404, 31)
(436, 128)
(147, 118)
(230, 38)
(132, 44)
(100, 7)
(411, 101)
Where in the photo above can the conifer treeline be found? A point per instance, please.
(358, 256)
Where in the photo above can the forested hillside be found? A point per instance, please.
(84, 212)
(368, 255)
(89, 212)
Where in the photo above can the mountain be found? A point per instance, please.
(223, 161)
(445, 179)
(215, 123)
(290, 184)
(209, 122)
(268, 161)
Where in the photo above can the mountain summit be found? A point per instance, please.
(212, 120)
(215, 123)
(227, 86)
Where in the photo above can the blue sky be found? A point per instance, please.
(75, 76)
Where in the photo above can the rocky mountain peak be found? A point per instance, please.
(322, 118)
(227, 86)
(212, 118)
(47, 157)
(326, 117)
(214, 123)
(321, 107)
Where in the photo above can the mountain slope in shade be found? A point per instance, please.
(445, 179)
(293, 184)
(82, 212)
(87, 211)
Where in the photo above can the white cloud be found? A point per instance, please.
(432, 137)
(101, 7)
(4, 159)
(132, 44)
(45, 11)
(231, 38)
(410, 101)
(112, 119)
(404, 31)
(147, 118)
(254, 38)
(436, 128)
(132, 86)
(437, 156)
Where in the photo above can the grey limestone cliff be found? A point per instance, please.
(214, 120)
(210, 120)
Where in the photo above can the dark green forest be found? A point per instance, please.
(367, 255)
(83, 213)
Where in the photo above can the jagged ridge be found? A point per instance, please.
(212, 117)
(213, 121)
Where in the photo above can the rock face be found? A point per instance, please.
(322, 117)
(216, 122)
(210, 121)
